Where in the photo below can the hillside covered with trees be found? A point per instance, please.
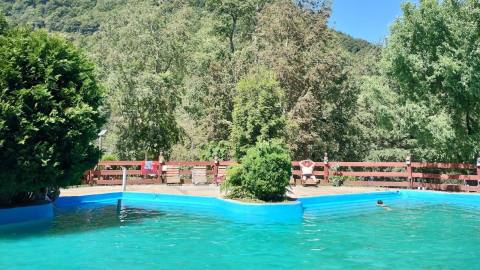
(202, 78)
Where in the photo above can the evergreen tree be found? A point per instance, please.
(258, 111)
(50, 114)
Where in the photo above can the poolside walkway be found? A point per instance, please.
(211, 190)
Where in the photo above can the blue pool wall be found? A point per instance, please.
(331, 206)
(75, 201)
(294, 212)
(435, 197)
(355, 197)
(26, 214)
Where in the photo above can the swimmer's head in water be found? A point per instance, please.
(380, 202)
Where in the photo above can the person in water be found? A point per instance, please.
(380, 203)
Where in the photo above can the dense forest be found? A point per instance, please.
(202, 78)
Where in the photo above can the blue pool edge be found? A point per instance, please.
(292, 211)
(26, 214)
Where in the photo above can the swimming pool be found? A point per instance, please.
(423, 230)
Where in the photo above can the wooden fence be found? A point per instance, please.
(407, 174)
(110, 172)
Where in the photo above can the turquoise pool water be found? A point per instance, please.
(412, 235)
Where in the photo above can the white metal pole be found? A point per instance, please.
(124, 179)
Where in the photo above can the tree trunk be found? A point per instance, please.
(232, 33)
(468, 123)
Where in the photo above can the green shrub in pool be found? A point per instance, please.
(263, 173)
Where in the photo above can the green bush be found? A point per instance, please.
(50, 114)
(263, 174)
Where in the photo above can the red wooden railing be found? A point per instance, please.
(110, 172)
(435, 176)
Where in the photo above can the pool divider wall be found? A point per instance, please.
(239, 211)
(26, 213)
(290, 212)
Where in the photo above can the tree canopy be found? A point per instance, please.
(432, 56)
(178, 72)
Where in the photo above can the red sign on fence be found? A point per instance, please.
(149, 167)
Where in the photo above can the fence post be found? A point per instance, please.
(216, 163)
(408, 163)
(478, 172)
(161, 162)
(142, 167)
(124, 179)
(90, 177)
(325, 167)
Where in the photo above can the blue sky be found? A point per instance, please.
(366, 19)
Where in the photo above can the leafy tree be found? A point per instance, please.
(147, 123)
(313, 70)
(290, 41)
(394, 128)
(218, 64)
(433, 57)
(75, 17)
(145, 75)
(235, 15)
(218, 102)
(263, 174)
(305, 122)
(50, 113)
(258, 111)
(173, 68)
